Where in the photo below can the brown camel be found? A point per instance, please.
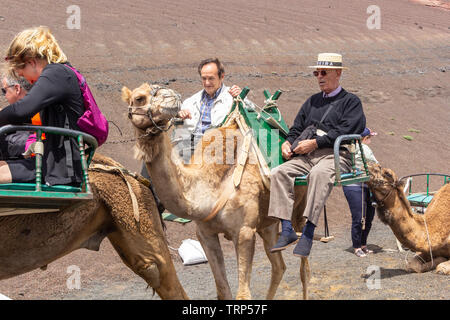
(415, 231)
(32, 241)
(204, 190)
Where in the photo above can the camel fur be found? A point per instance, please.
(35, 240)
(414, 231)
(194, 190)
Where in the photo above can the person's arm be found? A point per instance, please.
(368, 154)
(235, 91)
(46, 91)
(299, 123)
(184, 112)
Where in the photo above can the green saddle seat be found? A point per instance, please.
(24, 195)
(419, 199)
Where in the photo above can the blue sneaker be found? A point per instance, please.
(284, 241)
(303, 247)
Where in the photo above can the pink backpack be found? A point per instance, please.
(92, 121)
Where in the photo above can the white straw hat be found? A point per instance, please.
(329, 61)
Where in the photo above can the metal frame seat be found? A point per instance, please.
(422, 199)
(41, 197)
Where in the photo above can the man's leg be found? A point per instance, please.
(282, 180)
(320, 184)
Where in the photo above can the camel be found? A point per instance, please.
(35, 240)
(415, 231)
(203, 191)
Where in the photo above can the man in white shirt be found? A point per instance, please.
(205, 109)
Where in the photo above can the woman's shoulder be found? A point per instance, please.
(57, 70)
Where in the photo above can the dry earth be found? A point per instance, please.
(400, 72)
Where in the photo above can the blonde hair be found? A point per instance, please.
(35, 42)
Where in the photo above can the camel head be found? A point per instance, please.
(151, 107)
(384, 185)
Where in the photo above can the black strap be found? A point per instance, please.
(68, 148)
(326, 112)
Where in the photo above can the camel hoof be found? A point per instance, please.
(414, 265)
(443, 268)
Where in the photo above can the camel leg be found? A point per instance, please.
(422, 263)
(305, 276)
(269, 236)
(443, 267)
(245, 250)
(213, 251)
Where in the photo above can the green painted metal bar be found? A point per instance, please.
(84, 165)
(276, 95)
(88, 139)
(244, 92)
(242, 95)
(38, 159)
(337, 145)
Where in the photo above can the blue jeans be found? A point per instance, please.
(354, 195)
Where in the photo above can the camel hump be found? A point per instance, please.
(107, 161)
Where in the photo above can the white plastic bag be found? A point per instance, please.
(191, 252)
(2, 297)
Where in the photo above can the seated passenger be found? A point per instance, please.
(13, 145)
(207, 108)
(35, 55)
(336, 112)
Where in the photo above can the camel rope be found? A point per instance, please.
(428, 239)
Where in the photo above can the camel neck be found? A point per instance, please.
(409, 228)
(170, 177)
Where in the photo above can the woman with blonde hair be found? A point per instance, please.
(35, 55)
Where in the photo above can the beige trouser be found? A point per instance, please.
(320, 166)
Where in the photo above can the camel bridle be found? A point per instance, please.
(394, 185)
(156, 129)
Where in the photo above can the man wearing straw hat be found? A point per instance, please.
(335, 112)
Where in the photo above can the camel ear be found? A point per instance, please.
(126, 95)
(389, 174)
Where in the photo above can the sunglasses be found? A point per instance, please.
(4, 89)
(323, 73)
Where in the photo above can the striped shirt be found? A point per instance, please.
(205, 110)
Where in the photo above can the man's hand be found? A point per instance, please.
(286, 150)
(235, 91)
(184, 114)
(306, 146)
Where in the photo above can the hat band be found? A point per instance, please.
(329, 63)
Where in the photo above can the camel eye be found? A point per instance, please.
(140, 100)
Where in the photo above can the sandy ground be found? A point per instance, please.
(400, 72)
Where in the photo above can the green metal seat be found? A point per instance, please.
(40, 196)
(355, 175)
(422, 199)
